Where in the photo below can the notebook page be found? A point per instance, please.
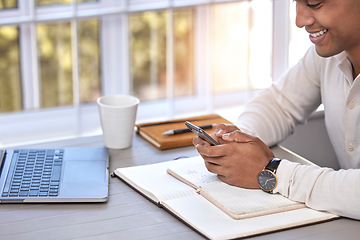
(193, 170)
(237, 202)
(215, 224)
(154, 182)
(242, 203)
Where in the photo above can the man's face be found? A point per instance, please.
(334, 25)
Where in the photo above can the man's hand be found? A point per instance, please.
(238, 160)
(217, 134)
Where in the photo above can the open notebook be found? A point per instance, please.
(231, 213)
(238, 203)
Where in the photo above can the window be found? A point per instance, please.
(57, 2)
(148, 40)
(8, 4)
(241, 43)
(299, 39)
(56, 67)
(179, 57)
(10, 85)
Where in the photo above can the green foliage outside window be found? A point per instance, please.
(10, 82)
(148, 40)
(55, 65)
(89, 60)
(148, 33)
(4, 4)
(55, 2)
(54, 50)
(55, 56)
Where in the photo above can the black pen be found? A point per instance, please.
(184, 130)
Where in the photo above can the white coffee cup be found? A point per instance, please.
(117, 116)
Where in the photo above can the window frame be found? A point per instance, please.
(82, 119)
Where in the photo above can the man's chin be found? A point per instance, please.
(325, 53)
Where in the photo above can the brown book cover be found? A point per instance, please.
(153, 132)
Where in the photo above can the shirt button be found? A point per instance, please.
(351, 104)
(350, 147)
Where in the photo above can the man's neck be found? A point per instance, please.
(355, 71)
(354, 58)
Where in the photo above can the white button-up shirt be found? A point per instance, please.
(276, 111)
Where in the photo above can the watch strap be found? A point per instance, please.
(273, 165)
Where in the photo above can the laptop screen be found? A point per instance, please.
(2, 159)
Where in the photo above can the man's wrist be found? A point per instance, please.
(273, 164)
(284, 174)
(267, 177)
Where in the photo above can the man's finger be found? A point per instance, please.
(210, 151)
(200, 141)
(213, 167)
(224, 128)
(238, 136)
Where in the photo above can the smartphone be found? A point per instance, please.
(201, 133)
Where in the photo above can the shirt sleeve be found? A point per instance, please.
(274, 113)
(316, 187)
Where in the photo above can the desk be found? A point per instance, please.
(128, 215)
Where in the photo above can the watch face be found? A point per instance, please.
(267, 180)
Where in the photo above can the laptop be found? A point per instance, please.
(54, 175)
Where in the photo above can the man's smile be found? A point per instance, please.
(318, 34)
(317, 37)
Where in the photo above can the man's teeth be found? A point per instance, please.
(318, 33)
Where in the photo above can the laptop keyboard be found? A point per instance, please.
(34, 173)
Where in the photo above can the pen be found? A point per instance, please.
(184, 130)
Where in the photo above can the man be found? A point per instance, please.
(328, 74)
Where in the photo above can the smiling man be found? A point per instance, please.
(333, 27)
(328, 74)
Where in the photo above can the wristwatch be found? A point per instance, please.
(267, 178)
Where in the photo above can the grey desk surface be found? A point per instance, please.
(128, 215)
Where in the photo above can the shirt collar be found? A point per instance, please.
(345, 66)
